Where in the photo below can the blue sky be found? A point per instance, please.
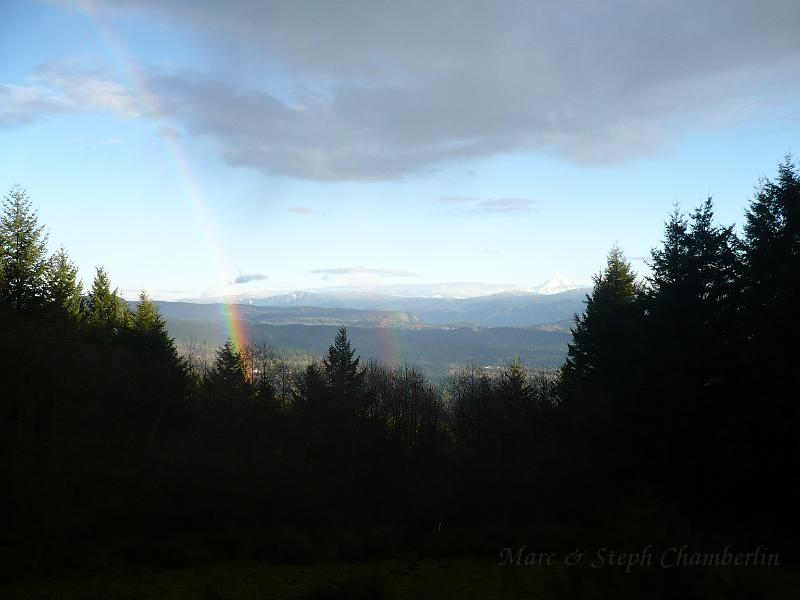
(183, 145)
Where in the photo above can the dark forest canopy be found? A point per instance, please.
(674, 415)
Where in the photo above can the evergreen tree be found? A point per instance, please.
(772, 254)
(768, 377)
(691, 342)
(266, 393)
(343, 373)
(601, 332)
(670, 314)
(514, 388)
(699, 263)
(469, 392)
(715, 252)
(105, 310)
(311, 390)
(516, 404)
(596, 388)
(63, 288)
(670, 262)
(226, 384)
(150, 335)
(23, 254)
(693, 299)
(146, 322)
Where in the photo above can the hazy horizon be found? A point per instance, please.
(264, 288)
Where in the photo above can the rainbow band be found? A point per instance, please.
(235, 324)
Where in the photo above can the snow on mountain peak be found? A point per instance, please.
(555, 285)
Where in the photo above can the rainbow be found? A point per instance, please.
(235, 324)
(389, 346)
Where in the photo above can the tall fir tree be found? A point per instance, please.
(670, 262)
(310, 391)
(668, 303)
(514, 389)
(168, 382)
(772, 256)
(226, 386)
(691, 338)
(716, 254)
(23, 254)
(596, 391)
(343, 372)
(768, 412)
(516, 404)
(600, 334)
(146, 318)
(692, 300)
(150, 336)
(105, 310)
(63, 289)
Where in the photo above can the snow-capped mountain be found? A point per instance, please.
(556, 285)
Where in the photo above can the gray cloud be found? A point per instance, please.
(365, 271)
(169, 132)
(250, 277)
(381, 90)
(491, 205)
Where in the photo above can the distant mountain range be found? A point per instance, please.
(287, 315)
(508, 309)
(435, 332)
(455, 303)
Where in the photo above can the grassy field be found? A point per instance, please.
(428, 579)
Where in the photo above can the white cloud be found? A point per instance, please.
(22, 104)
(64, 87)
(491, 205)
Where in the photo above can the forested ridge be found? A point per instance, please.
(673, 420)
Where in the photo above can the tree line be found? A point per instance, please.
(673, 415)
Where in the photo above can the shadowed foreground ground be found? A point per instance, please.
(430, 578)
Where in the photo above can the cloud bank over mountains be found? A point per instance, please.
(359, 270)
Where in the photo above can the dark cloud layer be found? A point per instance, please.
(378, 90)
